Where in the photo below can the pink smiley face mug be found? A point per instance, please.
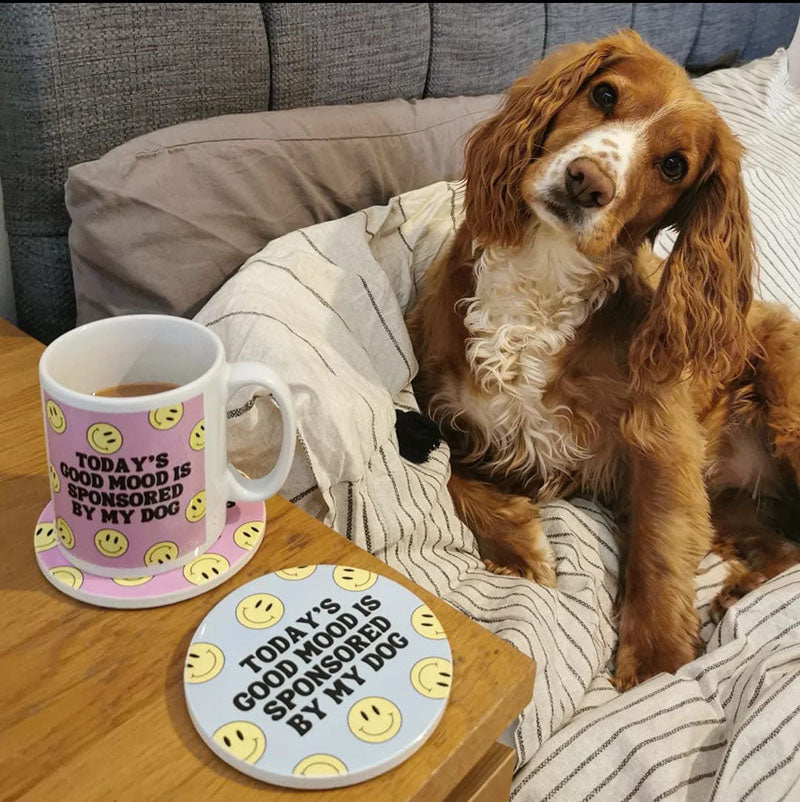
(139, 483)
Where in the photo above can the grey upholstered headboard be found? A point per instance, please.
(79, 79)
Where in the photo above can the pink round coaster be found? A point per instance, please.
(239, 541)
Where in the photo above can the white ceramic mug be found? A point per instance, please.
(140, 484)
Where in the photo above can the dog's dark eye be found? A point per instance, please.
(674, 167)
(604, 97)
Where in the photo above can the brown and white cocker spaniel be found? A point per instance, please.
(557, 353)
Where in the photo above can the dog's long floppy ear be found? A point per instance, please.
(696, 323)
(500, 149)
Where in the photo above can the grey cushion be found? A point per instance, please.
(772, 27)
(325, 53)
(673, 32)
(45, 298)
(473, 53)
(568, 22)
(723, 33)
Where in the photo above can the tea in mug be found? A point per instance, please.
(135, 389)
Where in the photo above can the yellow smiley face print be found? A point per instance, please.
(55, 482)
(197, 437)
(259, 611)
(131, 581)
(297, 572)
(55, 417)
(196, 508)
(104, 438)
(160, 553)
(426, 623)
(205, 568)
(44, 536)
(248, 534)
(165, 418)
(432, 677)
(110, 542)
(320, 765)
(374, 719)
(68, 575)
(64, 533)
(203, 662)
(349, 578)
(242, 739)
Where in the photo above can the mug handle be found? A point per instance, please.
(240, 374)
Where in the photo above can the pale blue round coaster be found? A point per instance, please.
(318, 676)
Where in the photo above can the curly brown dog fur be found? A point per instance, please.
(556, 352)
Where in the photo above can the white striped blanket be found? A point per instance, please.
(325, 307)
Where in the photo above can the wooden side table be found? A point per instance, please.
(92, 708)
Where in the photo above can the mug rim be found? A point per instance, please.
(124, 403)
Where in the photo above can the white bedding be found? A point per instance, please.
(325, 307)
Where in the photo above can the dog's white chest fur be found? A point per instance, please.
(527, 306)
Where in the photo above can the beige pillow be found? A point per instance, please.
(159, 223)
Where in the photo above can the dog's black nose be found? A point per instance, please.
(587, 184)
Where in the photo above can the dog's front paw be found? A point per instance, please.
(643, 653)
(635, 665)
(541, 572)
(734, 589)
(626, 676)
